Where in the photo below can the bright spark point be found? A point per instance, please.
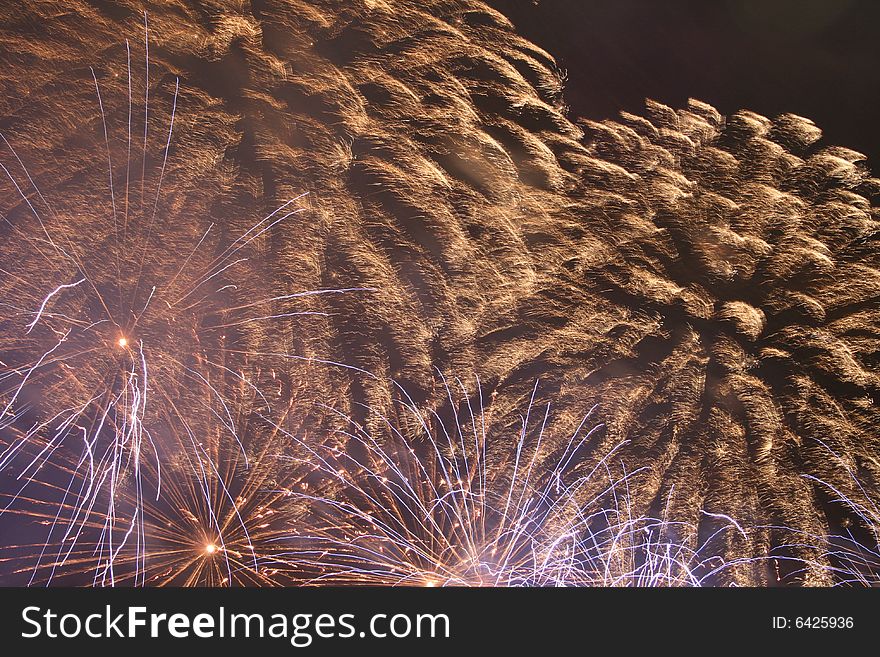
(122, 342)
(210, 548)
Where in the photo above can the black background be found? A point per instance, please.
(528, 622)
(816, 58)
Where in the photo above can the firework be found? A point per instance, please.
(200, 509)
(430, 501)
(169, 315)
(127, 323)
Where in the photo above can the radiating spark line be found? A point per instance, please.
(48, 298)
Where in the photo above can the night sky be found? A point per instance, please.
(816, 58)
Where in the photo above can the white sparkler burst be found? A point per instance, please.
(432, 502)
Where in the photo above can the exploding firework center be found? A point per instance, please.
(122, 342)
(210, 549)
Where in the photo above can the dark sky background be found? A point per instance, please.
(816, 58)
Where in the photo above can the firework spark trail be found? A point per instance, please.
(443, 510)
(49, 296)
